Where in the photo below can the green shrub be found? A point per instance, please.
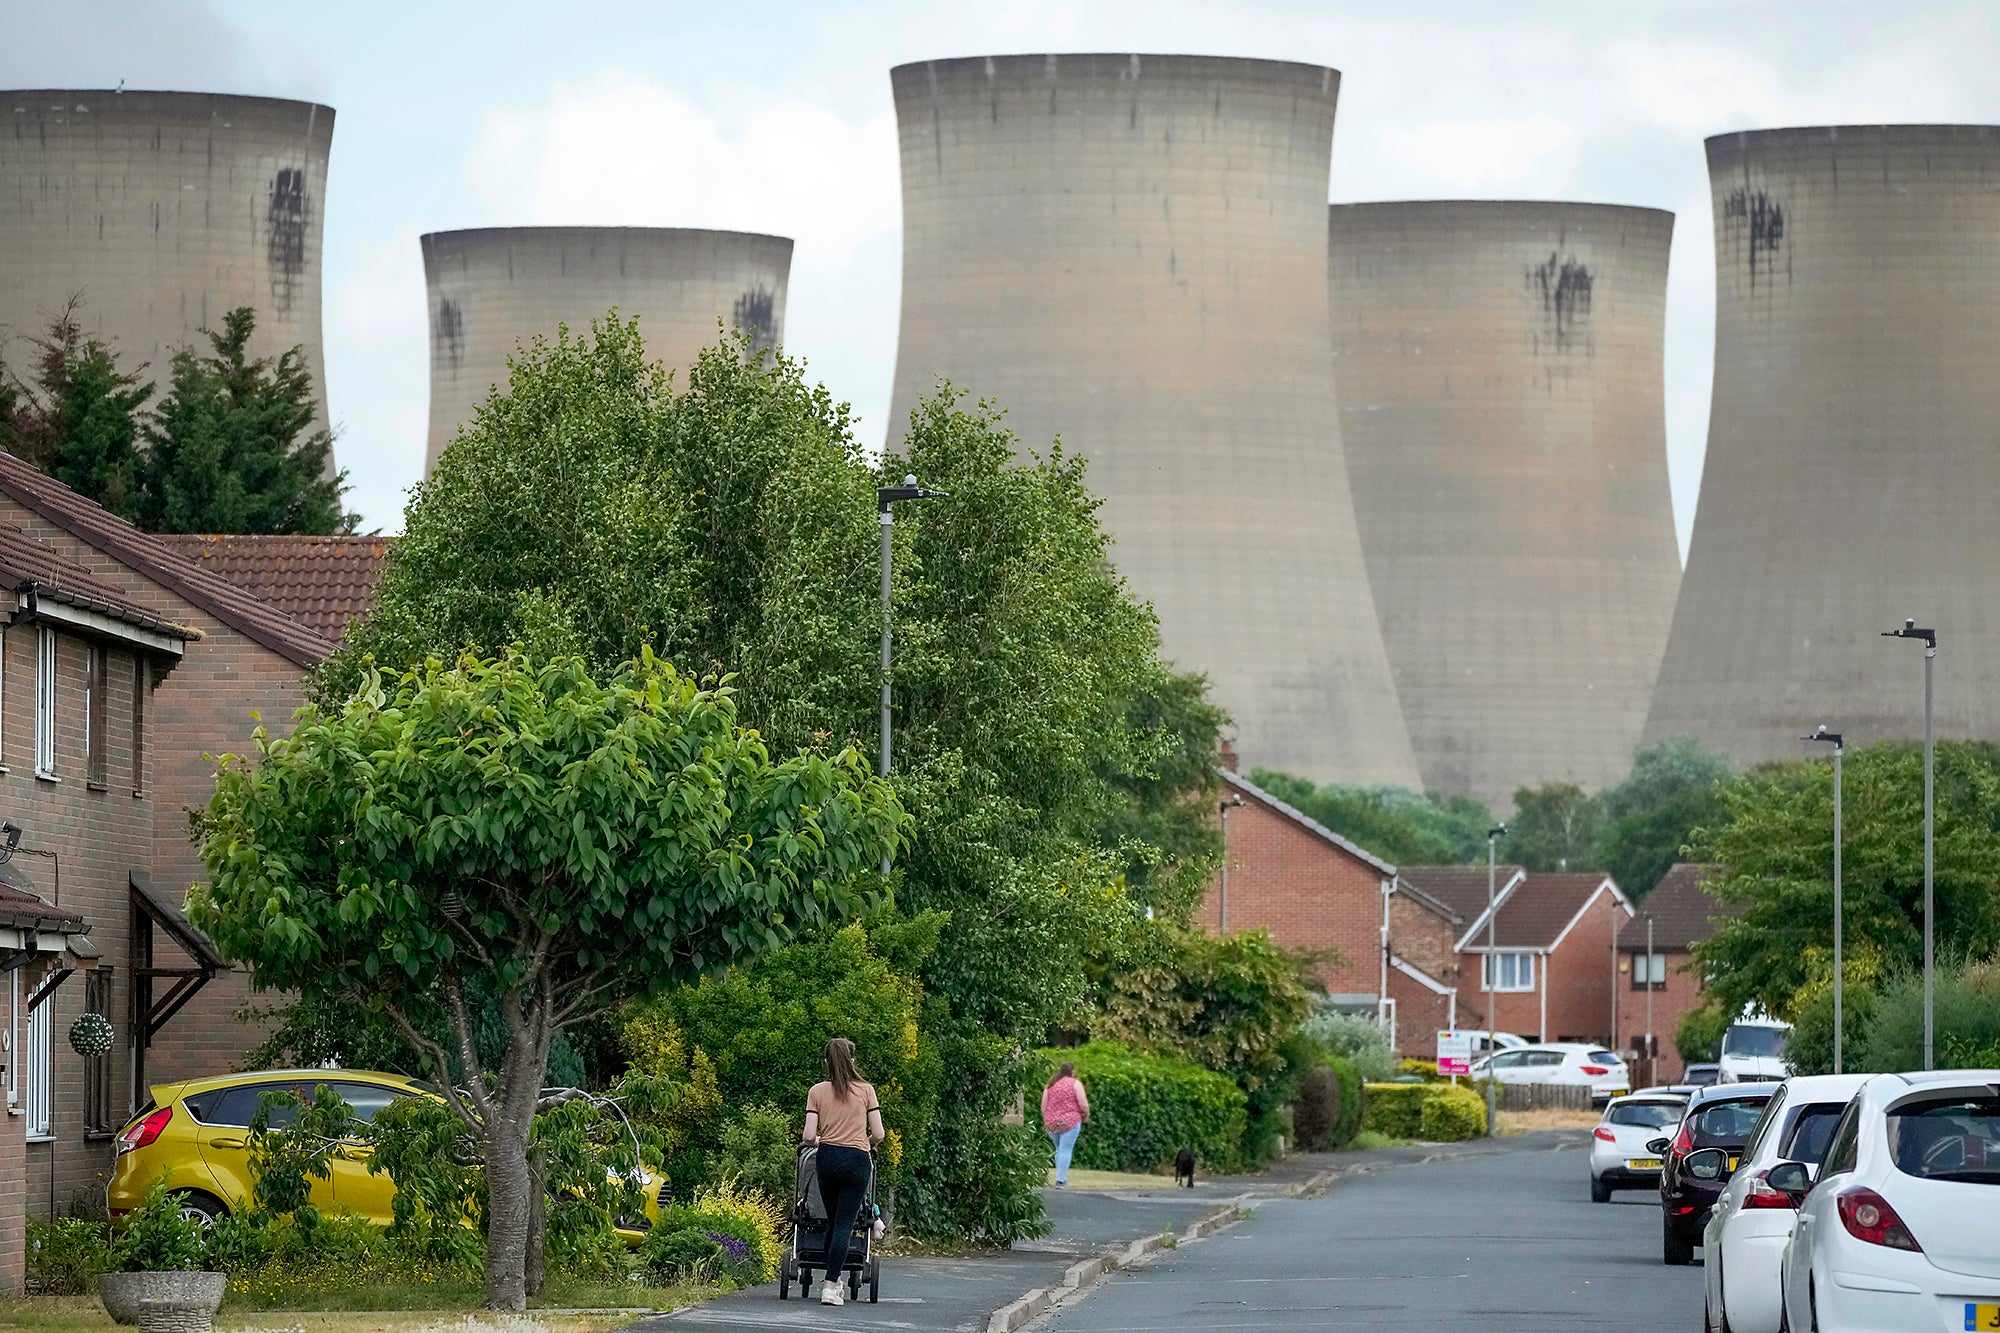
(751, 1216)
(1427, 1070)
(1145, 1108)
(1315, 1109)
(157, 1238)
(1351, 1105)
(65, 1256)
(1698, 1035)
(760, 1151)
(976, 1179)
(1397, 1109)
(1356, 1037)
(685, 1254)
(241, 1242)
(1451, 1114)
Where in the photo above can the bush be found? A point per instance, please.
(682, 1254)
(760, 1151)
(157, 1238)
(1315, 1109)
(1145, 1108)
(751, 1216)
(1356, 1037)
(65, 1256)
(1967, 1017)
(975, 1180)
(1427, 1070)
(1698, 1036)
(1351, 1106)
(1451, 1114)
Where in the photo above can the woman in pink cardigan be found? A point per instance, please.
(1065, 1109)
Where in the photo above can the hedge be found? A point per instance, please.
(1438, 1112)
(1145, 1108)
(1349, 1115)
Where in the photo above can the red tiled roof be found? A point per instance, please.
(24, 911)
(26, 563)
(1683, 913)
(1540, 908)
(291, 639)
(1461, 888)
(323, 582)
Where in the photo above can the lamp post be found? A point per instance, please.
(1222, 919)
(1839, 916)
(1929, 636)
(885, 497)
(1493, 836)
(1652, 1043)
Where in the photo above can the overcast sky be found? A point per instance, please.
(776, 117)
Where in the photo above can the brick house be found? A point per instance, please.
(1376, 942)
(123, 662)
(1549, 971)
(1682, 915)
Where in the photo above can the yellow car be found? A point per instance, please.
(198, 1134)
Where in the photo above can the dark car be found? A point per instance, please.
(1718, 1117)
(1702, 1076)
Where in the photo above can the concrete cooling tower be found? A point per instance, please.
(492, 289)
(1129, 252)
(1500, 383)
(163, 212)
(1853, 473)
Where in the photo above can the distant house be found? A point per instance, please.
(1682, 915)
(321, 582)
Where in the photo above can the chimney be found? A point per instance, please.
(1228, 755)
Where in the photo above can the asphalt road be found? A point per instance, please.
(1507, 1241)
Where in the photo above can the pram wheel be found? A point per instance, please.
(854, 1285)
(785, 1283)
(874, 1281)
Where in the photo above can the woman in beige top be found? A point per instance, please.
(845, 1120)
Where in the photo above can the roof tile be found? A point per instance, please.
(323, 582)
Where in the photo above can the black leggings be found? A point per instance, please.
(843, 1186)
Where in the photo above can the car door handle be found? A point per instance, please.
(226, 1143)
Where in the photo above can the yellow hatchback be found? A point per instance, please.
(197, 1134)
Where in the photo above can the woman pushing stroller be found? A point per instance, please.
(844, 1118)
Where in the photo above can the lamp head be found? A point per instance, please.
(1497, 831)
(13, 832)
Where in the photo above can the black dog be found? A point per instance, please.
(1184, 1168)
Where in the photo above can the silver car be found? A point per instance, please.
(1619, 1159)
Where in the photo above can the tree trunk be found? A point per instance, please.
(509, 1200)
(538, 1225)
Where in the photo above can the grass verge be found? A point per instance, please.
(1369, 1139)
(437, 1308)
(1512, 1123)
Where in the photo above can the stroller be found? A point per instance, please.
(809, 1228)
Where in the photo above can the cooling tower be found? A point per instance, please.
(1499, 373)
(163, 211)
(1853, 473)
(1129, 252)
(494, 288)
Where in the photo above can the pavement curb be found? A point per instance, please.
(1082, 1276)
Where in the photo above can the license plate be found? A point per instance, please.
(1732, 1164)
(1982, 1318)
(1642, 1163)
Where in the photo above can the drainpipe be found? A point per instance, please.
(1382, 990)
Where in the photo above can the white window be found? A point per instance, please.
(1649, 970)
(1515, 971)
(45, 706)
(36, 1071)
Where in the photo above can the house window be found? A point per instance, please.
(1649, 971)
(95, 702)
(45, 705)
(1508, 971)
(97, 1121)
(141, 681)
(36, 1067)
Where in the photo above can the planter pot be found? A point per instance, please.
(123, 1292)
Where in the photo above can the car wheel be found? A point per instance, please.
(204, 1210)
(1599, 1191)
(1673, 1250)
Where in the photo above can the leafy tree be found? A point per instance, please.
(1555, 827)
(1400, 826)
(79, 418)
(231, 445)
(567, 842)
(1698, 1035)
(1648, 818)
(1773, 846)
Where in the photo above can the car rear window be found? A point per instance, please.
(1727, 1122)
(1956, 1138)
(1652, 1115)
(1603, 1057)
(1812, 1132)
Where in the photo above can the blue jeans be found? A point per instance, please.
(1065, 1145)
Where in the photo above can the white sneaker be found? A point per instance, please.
(829, 1294)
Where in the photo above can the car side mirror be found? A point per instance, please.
(1658, 1147)
(1707, 1164)
(1793, 1178)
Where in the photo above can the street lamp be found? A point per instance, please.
(1493, 836)
(1839, 917)
(885, 497)
(1222, 913)
(1929, 636)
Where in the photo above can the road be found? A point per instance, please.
(1508, 1241)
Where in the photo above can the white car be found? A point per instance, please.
(1485, 1043)
(1567, 1062)
(1751, 1222)
(1618, 1156)
(1753, 1051)
(1902, 1228)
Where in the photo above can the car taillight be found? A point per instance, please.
(1868, 1217)
(1605, 1134)
(1595, 1071)
(1683, 1143)
(1761, 1194)
(142, 1133)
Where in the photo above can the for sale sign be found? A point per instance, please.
(1454, 1052)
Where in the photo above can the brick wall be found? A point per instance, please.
(1580, 974)
(1681, 994)
(13, 1173)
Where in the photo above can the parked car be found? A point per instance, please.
(1702, 1075)
(1753, 1050)
(1561, 1062)
(1718, 1117)
(1485, 1043)
(1901, 1229)
(197, 1134)
(1619, 1159)
(1751, 1221)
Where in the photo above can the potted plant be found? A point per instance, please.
(159, 1256)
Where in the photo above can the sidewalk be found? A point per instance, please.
(961, 1294)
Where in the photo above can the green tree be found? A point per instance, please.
(1648, 818)
(1773, 848)
(1400, 826)
(565, 842)
(1555, 827)
(79, 418)
(232, 447)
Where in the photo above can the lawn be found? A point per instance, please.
(440, 1312)
(1527, 1122)
(1113, 1180)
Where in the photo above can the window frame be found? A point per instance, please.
(142, 670)
(1490, 967)
(48, 657)
(96, 707)
(37, 1058)
(1655, 966)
